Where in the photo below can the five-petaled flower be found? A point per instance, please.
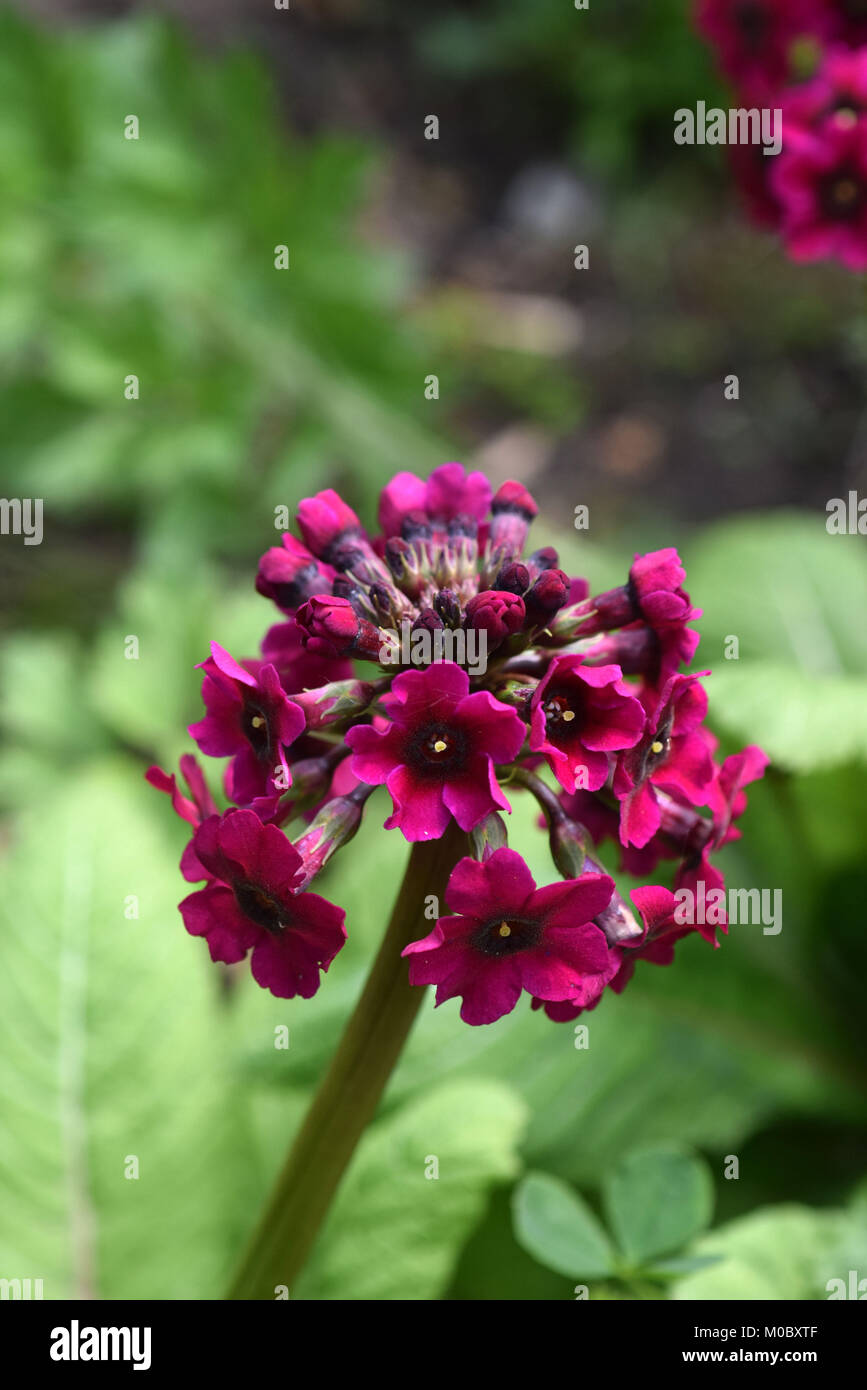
(253, 904)
(508, 936)
(437, 755)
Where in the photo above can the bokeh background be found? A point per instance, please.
(601, 387)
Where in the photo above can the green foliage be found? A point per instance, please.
(113, 1049)
(799, 685)
(786, 1252)
(555, 1226)
(657, 1200)
(155, 257)
(397, 1223)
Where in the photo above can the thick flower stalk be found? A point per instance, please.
(808, 60)
(441, 661)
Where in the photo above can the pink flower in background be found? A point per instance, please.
(508, 936)
(447, 494)
(820, 181)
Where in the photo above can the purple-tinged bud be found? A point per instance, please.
(514, 578)
(499, 614)
(448, 608)
(512, 510)
(335, 702)
(331, 627)
(428, 621)
(544, 559)
(331, 829)
(347, 586)
(690, 831)
(617, 920)
(463, 525)
(404, 563)
(289, 574)
(416, 526)
(326, 520)
(311, 777)
(568, 844)
(546, 597)
(614, 608)
(488, 836)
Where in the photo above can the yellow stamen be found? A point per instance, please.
(439, 746)
(505, 929)
(567, 715)
(656, 746)
(257, 721)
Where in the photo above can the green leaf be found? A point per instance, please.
(775, 1252)
(416, 1188)
(656, 1200)
(558, 1229)
(110, 1030)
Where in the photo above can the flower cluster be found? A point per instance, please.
(808, 59)
(582, 702)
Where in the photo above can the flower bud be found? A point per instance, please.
(500, 614)
(544, 559)
(331, 829)
(446, 605)
(512, 510)
(567, 840)
(289, 574)
(546, 597)
(513, 578)
(332, 703)
(325, 520)
(488, 836)
(331, 627)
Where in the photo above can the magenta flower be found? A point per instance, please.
(253, 904)
(580, 715)
(447, 494)
(193, 808)
(290, 574)
(437, 756)
(298, 667)
(508, 935)
(753, 38)
(325, 521)
(820, 180)
(674, 756)
(250, 719)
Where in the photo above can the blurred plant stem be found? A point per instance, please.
(350, 1091)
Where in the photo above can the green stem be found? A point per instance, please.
(349, 1093)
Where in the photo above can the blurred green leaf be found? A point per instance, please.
(112, 1046)
(397, 1225)
(774, 1253)
(558, 1229)
(657, 1199)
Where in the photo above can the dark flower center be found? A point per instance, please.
(854, 9)
(260, 907)
(254, 723)
(503, 936)
(659, 747)
(843, 195)
(437, 750)
(563, 710)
